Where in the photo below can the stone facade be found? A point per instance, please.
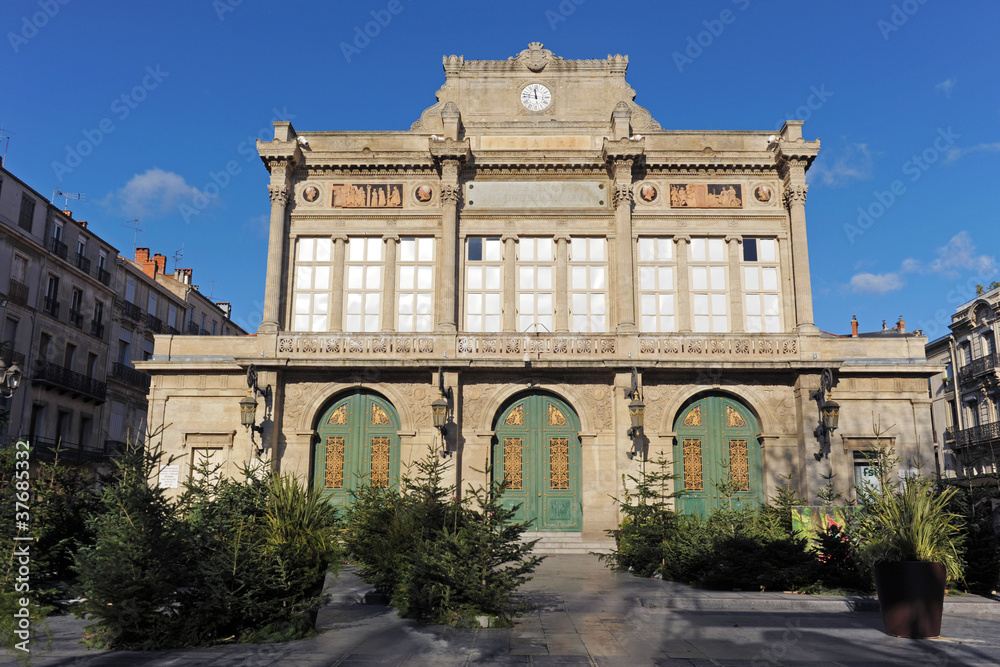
(539, 239)
(966, 407)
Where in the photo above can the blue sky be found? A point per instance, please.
(165, 97)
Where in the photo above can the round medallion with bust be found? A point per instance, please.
(536, 97)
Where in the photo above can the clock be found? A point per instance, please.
(536, 97)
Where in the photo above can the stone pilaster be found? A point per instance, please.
(562, 284)
(509, 283)
(736, 322)
(449, 154)
(389, 285)
(795, 200)
(279, 191)
(622, 155)
(683, 302)
(337, 302)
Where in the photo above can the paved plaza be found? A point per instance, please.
(587, 615)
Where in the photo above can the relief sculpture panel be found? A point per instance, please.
(703, 195)
(368, 195)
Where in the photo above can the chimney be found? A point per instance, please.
(183, 276)
(142, 259)
(901, 325)
(82, 223)
(161, 262)
(68, 213)
(854, 326)
(226, 308)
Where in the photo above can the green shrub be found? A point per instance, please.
(981, 548)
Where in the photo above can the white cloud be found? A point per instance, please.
(945, 87)
(853, 163)
(876, 283)
(151, 193)
(956, 153)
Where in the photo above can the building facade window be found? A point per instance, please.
(125, 347)
(483, 284)
(311, 298)
(762, 297)
(709, 298)
(363, 280)
(535, 285)
(19, 271)
(27, 213)
(152, 303)
(415, 291)
(588, 292)
(657, 308)
(172, 316)
(130, 289)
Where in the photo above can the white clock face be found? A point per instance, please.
(536, 97)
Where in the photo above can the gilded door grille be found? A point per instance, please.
(339, 416)
(693, 418)
(733, 418)
(739, 464)
(513, 464)
(559, 463)
(556, 417)
(693, 480)
(516, 417)
(379, 417)
(335, 463)
(380, 462)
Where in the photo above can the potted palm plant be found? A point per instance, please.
(911, 539)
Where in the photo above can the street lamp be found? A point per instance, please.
(439, 411)
(10, 378)
(636, 412)
(829, 413)
(248, 407)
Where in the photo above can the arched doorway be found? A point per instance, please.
(358, 445)
(537, 450)
(717, 445)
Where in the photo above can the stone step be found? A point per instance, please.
(566, 543)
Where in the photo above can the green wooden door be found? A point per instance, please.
(358, 445)
(717, 444)
(537, 451)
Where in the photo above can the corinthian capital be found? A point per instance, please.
(795, 194)
(451, 194)
(622, 196)
(278, 194)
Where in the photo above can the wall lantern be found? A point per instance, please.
(248, 407)
(636, 412)
(829, 413)
(440, 408)
(10, 379)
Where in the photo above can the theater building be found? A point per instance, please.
(542, 241)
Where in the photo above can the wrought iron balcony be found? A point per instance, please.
(82, 263)
(18, 292)
(131, 311)
(65, 380)
(103, 275)
(977, 435)
(154, 323)
(172, 331)
(206, 332)
(193, 329)
(76, 318)
(50, 449)
(130, 376)
(978, 367)
(58, 247)
(51, 306)
(11, 357)
(96, 329)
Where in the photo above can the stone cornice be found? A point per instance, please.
(450, 149)
(623, 149)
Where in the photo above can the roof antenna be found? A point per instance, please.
(178, 256)
(5, 134)
(134, 225)
(66, 197)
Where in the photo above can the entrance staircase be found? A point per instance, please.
(550, 543)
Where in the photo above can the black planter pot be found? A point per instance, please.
(911, 595)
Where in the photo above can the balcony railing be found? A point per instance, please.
(130, 376)
(131, 311)
(58, 247)
(76, 318)
(193, 329)
(206, 332)
(154, 323)
(103, 275)
(82, 263)
(977, 435)
(977, 367)
(18, 292)
(172, 331)
(64, 379)
(11, 357)
(70, 452)
(51, 306)
(96, 329)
